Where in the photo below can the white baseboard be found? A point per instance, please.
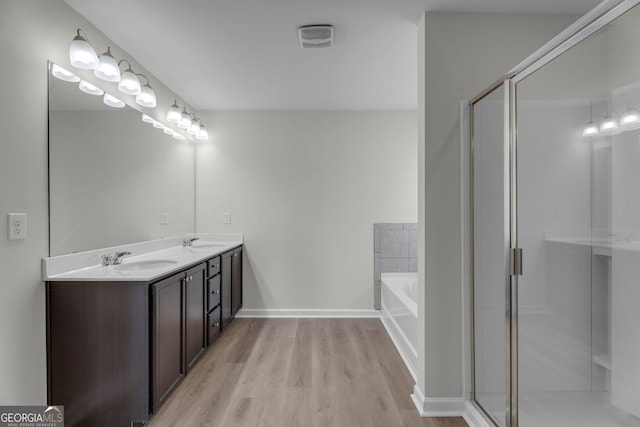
(393, 330)
(307, 313)
(473, 417)
(437, 406)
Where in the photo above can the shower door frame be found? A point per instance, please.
(605, 13)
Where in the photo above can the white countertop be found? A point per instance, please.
(87, 266)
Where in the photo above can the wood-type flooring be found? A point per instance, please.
(298, 373)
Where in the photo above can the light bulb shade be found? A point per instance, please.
(82, 55)
(194, 128)
(107, 69)
(158, 125)
(147, 119)
(609, 124)
(173, 114)
(178, 136)
(129, 83)
(591, 129)
(112, 101)
(202, 134)
(147, 97)
(87, 87)
(185, 121)
(631, 116)
(168, 131)
(62, 74)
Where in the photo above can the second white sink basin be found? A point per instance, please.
(147, 264)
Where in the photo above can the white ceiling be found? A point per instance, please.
(244, 54)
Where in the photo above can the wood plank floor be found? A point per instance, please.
(298, 373)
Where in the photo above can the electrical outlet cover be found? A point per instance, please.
(17, 226)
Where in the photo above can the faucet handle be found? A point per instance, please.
(106, 259)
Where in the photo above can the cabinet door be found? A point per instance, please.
(168, 345)
(236, 281)
(226, 287)
(195, 314)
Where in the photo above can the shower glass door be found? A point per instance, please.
(578, 216)
(490, 245)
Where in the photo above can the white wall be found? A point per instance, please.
(31, 32)
(305, 188)
(460, 54)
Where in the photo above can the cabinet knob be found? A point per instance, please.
(215, 325)
(190, 278)
(215, 292)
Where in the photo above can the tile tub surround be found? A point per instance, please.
(395, 250)
(87, 265)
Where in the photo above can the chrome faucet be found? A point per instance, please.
(114, 259)
(188, 241)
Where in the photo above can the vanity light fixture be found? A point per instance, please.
(147, 119)
(81, 53)
(179, 137)
(158, 125)
(112, 101)
(62, 74)
(87, 87)
(609, 124)
(146, 97)
(168, 131)
(590, 129)
(129, 82)
(185, 120)
(173, 114)
(630, 117)
(107, 69)
(202, 133)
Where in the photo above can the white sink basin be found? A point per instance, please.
(147, 264)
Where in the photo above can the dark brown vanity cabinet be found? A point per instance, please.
(178, 324)
(117, 349)
(226, 287)
(213, 300)
(236, 281)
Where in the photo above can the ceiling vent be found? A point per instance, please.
(314, 36)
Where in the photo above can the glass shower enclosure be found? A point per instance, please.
(555, 200)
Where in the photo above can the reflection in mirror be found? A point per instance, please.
(113, 178)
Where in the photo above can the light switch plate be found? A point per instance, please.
(164, 218)
(226, 218)
(17, 226)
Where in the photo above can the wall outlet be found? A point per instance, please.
(226, 218)
(17, 226)
(164, 218)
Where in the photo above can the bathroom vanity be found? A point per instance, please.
(121, 338)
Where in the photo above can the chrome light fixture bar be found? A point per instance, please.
(82, 55)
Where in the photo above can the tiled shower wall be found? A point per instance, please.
(395, 250)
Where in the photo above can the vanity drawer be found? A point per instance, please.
(214, 266)
(213, 325)
(213, 292)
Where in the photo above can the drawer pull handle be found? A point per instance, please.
(215, 292)
(215, 325)
(216, 266)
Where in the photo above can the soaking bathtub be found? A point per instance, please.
(399, 293)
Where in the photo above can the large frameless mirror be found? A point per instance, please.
(113, 178)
